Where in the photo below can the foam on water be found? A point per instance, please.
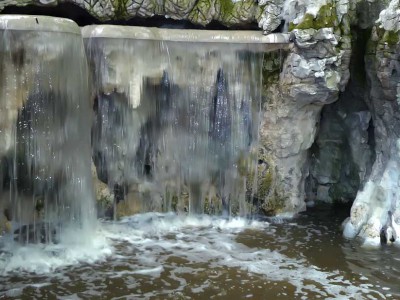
(211, 240)
(154, 254)
(45, 258)
(171, 222)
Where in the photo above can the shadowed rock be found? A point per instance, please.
(36, 233)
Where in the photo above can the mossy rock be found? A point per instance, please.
(120, 9)
(227, 7)
(272, 66)
(201, 13)
(5, 226)
(104, 197)
(326, 17)
(236, 12)
(268, 194)
(179, 201)
(274, 204)
(213, 205)
(390, 37)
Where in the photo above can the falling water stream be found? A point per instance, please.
(174, 119)
(45, 180)
(173, 123)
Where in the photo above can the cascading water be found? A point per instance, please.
(45, 184)
(174, 120)
(175, 116)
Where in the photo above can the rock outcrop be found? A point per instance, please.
(313, 73)
(378, 202)
(343, 153)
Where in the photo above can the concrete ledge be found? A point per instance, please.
(184, 35)
(40, 23)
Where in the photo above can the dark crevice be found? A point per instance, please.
(64, 10)
(331, 153)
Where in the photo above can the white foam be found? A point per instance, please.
(170, 222)
(41, 259)
(203, 239)
(153, 241)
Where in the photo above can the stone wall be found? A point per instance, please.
(266, 14)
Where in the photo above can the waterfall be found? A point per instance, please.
(174, 119)
(46, 184)
(168, 117)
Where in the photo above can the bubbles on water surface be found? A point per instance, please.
(163, 254)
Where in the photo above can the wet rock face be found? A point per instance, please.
(343, 152)
(342, 155)
(380, 196)
(37, 233)
(313, 73)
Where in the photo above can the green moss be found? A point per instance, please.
(174, 203)
(390, 37)
(326, 17)
(120, 11)
(306, 23)
(274, 204)
(268, 193)
(272, 66)
(242, 165)
(200, 12)
(227, 7)
(213, 205)
(265, 184)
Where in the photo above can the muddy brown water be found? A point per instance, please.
(163, 256)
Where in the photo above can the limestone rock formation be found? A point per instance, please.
(378, 202)
(313, 73)
(343, 153)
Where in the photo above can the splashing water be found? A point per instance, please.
(163, 255)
